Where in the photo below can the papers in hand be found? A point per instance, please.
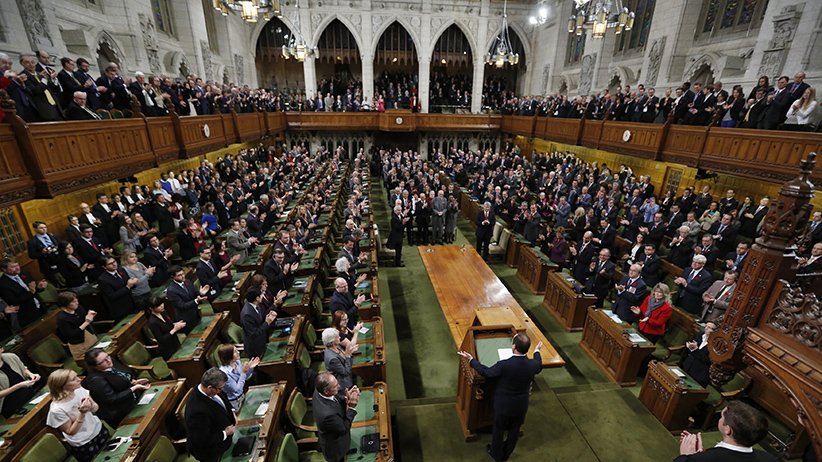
(146, 398)
(636, 338)
(37, 399)
(261, 409)
(504, 353)
(103, 344)
(364, 330)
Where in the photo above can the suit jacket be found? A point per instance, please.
(16, 295)
(599, 280)
(583, 261)
(47, 262)
(340, 366)
(689, 298)
(117, 294)
(255, 227)
(813, 267)
(680, 254)
(697, 363)
(208, 275)
(651, 269)
(726, 455)
(185, 304)
(748, 226)
(117, 96)
(237, 244)
(514, 377)
(69, 84)
(333, 420)
(75, 112)
(345, 302)
(46, 111)
(727, 238)
(167, 342)
(205, 423)
(485, 231)
(395, 235)
(112, 392)
(156, 258)
(633, 295)
(255, 330)
(277, 279)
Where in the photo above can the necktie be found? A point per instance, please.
(721, 228)
(219, 401)
(691, 277)
(721, 292)
(93, 114)
(47, 92)
(93, 244)
(208, 263)
(74, 260)
(121, 374)
(19, 280)
(117, 275)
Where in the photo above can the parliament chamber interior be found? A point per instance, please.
(300, 230)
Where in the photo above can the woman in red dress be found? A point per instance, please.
(654, 313)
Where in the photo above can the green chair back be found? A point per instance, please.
(47, 449)
(214, 357)
(163, 451)
(304, 358)
(738, 382)
(297, 408)
(309, 335)
(288, 450)
(136, 354)
(51, 351)
(233, 333)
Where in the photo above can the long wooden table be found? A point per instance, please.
(463, 282)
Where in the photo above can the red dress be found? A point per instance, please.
(655, 325)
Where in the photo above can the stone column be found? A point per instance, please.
(424, 80)
(310, 76)
(367, 77)
(476, 89)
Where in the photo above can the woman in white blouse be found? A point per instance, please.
(805, 110)
(72, 412)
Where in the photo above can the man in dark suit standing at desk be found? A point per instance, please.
(257, 324)
(185, 299)
(515, 376)
(334, 412)
(210, 422)
(485, 229)
(741, 427)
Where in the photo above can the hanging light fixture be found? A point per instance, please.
(297, 47)
(599, 16)
(503, 51)
(249, 10)
(541, 16)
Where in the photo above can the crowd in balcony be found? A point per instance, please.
(396, 90)
(791, 105)
(449, 92)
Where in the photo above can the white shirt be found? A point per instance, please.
(61, 412)
(733, 447)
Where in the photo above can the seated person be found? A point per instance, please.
(344, 300)
(236, 371)
(17, 384)
(741, 427)
(112, 386)
(812, 263)
(164, 329)
(654, 313)
(697, 361)
(337, 358)
(74, 325)
(72, 412)
(347, 336)
(631, 291)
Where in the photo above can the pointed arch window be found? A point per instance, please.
(576, 48)
(728, 17)
(636, 38)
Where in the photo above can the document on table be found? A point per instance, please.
(146, 398)
(504, 353)
(38, 399)
(636, 338)
(261, 409)
(103, 344)
(678, 372)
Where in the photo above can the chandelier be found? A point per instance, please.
(296, 47)
(503, 51)
(542, 14)
(249, 10)
(599, 16)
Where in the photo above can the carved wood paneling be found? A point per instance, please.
(193, 131)
(16, 184)
(250, 126)
(519, 125)
(683, 144)
(458, 122)
(230, 128)
(332, 121)
(275, 122)
(591, 132)
(644, 141)
(562, 130)
(163, 140)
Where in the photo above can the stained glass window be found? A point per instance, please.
(713, 6)
(729, 14)
(162, 16)
(637, 37)
(732, 16)
(747, 11)
(576, 48)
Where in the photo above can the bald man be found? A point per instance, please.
(77, 109)
(344, 300)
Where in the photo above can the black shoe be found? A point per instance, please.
(488, 450)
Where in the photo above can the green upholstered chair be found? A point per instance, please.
(718, 398)
(233, 333)
(116, 114)
(104, 114)
(164, 451)
(137, 358)
(49, 354)
(671, 346)
(290, 452)
(301, 417)
(47, 448)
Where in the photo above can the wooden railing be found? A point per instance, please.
(45, 159)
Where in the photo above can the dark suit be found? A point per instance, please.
(650, 269)
(514, 377)
(75, 112)
(117, 96)
(748, 226)
(633, 295)
(69, 85)
(484, 231)
(255, 330)
(395, 238)
(206, 421)
(38, 87)
(112, 391)
(585, 254)
(185, 304)
(344, 302)
(726, 455)
(333, 420)
(208, 275)
(697, 363)
(16, 295)
(727, 238)
(156, 258)
(689, 298)
(277, 279)
(46, 261)
(600, 280)
(117, 295)
(167, 342)
(87, 252)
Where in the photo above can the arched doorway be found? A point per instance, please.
(107, 53)
(704, 75)
(396, 68)
(502, 78)
(452, 67)
(274, 71)
(339, 67)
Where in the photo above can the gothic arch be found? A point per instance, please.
(111, 52)
(377, 35)
(258, 29)
(622, 73)
(354, 30)
(711, 60)
(173, 60)
(515, 28)
(435, 36)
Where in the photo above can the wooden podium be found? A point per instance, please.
(670, 395)
(475, 406)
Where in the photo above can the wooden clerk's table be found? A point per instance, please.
(463, 282)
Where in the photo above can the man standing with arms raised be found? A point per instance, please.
(515, 376)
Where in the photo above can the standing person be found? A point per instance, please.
(72, 412)
(209, 418)
(164, 329)
(485, 229)
(74, 325)
(257, 324)
(741, 427)
(515, 376)
(439, 206)
(451, 219)
(334, 412)
(398, 222)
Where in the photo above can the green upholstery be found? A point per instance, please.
(300, 416)
(48, 296)
(214, 357)
(233, 333)
(163, 451)
(206, 309)
(674, 337)
(50, 354)
(104, 114)
(718, 397)
(136, 357)
(309, 335)
(47, 449)
(119, 247)
(289, 452)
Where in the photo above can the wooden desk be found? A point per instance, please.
(369, 361)
(533, 268)
(190, 360)
(515, 245)
(256, 258)
(463, 282)
(311, 261)
(20, 428)
(20, 344)
(300, 296)
(564, 303)
(669, 397)
(232, 298)
(279, 362)
(370, 308)
(507, 316)
(607, 343)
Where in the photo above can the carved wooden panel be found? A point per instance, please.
(16, 184)
(519, 125)
(562, 130)
(398, 120)
(163, 140)
(275, 122)
(769, 154)
(591, 132)
(230, 128)
(643, 139)
(332, 121)
(458, 122)
(683, 144)
(194, 129)
(250, 126)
